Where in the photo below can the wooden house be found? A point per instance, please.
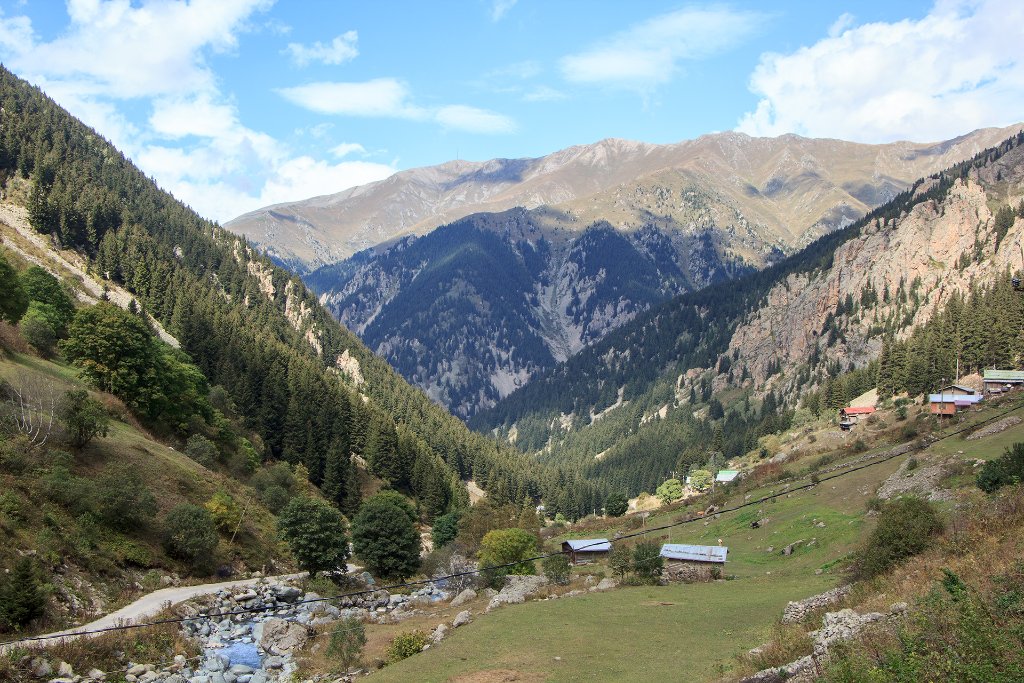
(849, 416)
(999, 381)
(952, 399)
(586, 550)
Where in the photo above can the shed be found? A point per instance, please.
(726, 475)
(703, 554)
(855, 413)
(584, 550)
(996, 381)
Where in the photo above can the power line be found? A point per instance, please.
(438, 579)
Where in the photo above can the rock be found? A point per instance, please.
(788, 550)
(607, 584)
(840, 626)
(280, 636)
(64, 670)
(149, 677)
(175, 678)
(259, 677)
(287, 593)
(41, 668)
(216, 662)
(96, 675)
(820, 525)
(274, 662)
(218, 677)
(489, 593)
(898, 608)
(770, 549)
(199, 679)
(239, 669)
(439, 633)
(461, 619)
(463, 597)
(516, 590)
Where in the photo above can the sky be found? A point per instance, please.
(233, 105)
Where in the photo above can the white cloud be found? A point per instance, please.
(648, 54)
(338, 51)
(957, 69)
(543, 93)
(194, 142)
(387, 97)
(346, 148)
(474, 120)
(390, 98)
(499, 8)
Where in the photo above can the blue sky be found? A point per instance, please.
(236, 104)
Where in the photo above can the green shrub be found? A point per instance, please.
(348, 637)
(190, 535)
(906, 527)
(76, 494)
(125, 503)
(647, 561)
(224, 510)
(620, 561)
(1005, 470)
(83, 417)
(275, 498)
(405, 645)
(912, 463)
(506, 546)
(556, 569)
(202, 450)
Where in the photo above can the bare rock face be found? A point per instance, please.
(921, 251)
(281, 637)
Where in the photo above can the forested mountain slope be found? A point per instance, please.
(748, 352)
(308, 387)
(759, 192)
(470, 311)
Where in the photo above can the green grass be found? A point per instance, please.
(672, 633)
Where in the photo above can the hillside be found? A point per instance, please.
(762, 192)
(311, 391)
(642, 396)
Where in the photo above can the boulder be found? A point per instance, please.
(516, 590)
(280, 636)
(439, 633)
(461, 619)
(607, 584)
(463, 597)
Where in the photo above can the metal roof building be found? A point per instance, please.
(715, 554)
(587, 547)
(726, 475)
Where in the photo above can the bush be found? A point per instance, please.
(348, 637)
(912, 463)
(1005, 470)
(76, 494)
(906, 527)
(385, 538)
(647, 561)
(507, 547)
(224, 510)
(189, 535)
(620, 561)
(405, 645)
(84, 418)
(556, 569)
(202, 450)
(315, 531)
(446, 528)
(125, 503)
(37, 328)
(616, 504)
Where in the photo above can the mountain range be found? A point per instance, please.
(471, 310)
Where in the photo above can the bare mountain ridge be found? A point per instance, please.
(787, 191)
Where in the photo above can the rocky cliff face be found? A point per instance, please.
(470, 312)
(898, 272)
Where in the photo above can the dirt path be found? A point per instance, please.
(151, 604)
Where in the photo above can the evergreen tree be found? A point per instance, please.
(384, 536)
(21, 595)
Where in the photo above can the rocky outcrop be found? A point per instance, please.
(995, 428)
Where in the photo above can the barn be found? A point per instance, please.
(586, 550)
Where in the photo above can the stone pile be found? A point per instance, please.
(516, 590)
(797, 610)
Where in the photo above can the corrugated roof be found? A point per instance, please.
(961, 387)
(863, 410)
(1004, 375)
(694, 553)
(726, 475)
(590, 545)
(952, 398)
